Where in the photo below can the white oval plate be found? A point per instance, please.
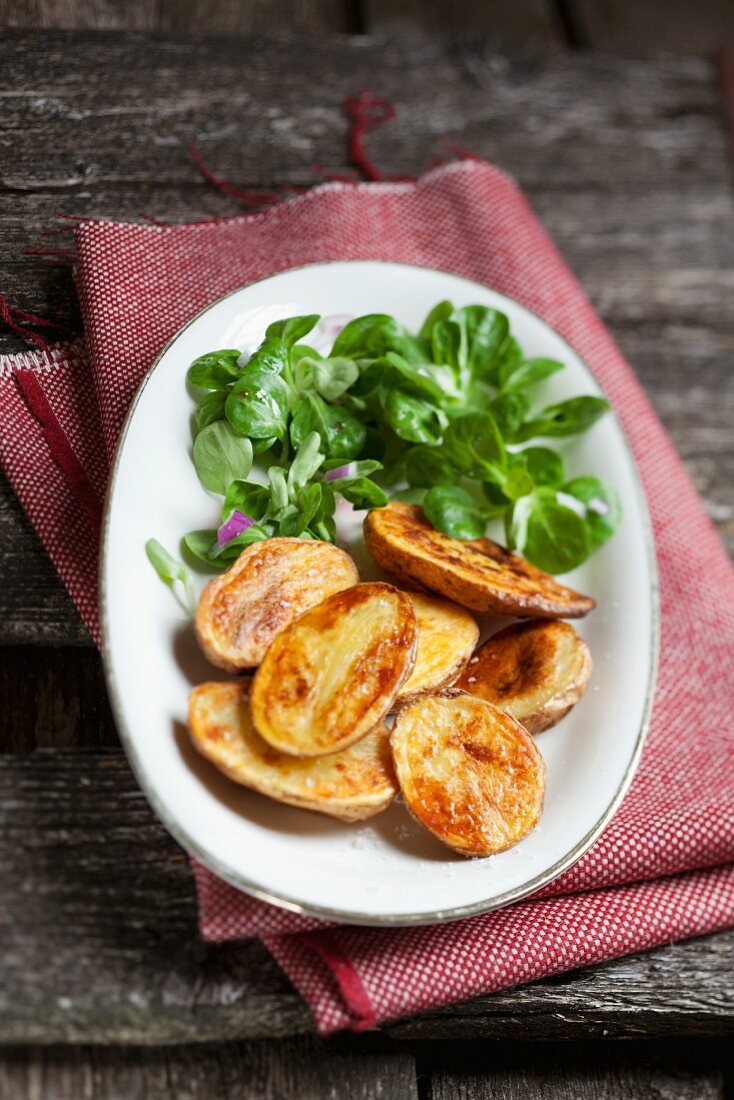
(388, 870)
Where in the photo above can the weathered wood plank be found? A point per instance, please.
(528, 25)
(366, 1067)
(285, 1069)
(678, 25)
(34, 605)
(187, 16)
(98, 940)
(100, 108)
(53, 697)
(629, 1071)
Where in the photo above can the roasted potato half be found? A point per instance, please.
(536, 671)
(351, 785)
(333, 674)
(467, 771)
(447, 635)
(479, 574)
(271, 584)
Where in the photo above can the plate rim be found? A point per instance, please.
(282, 901)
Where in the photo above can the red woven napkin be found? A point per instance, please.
(662, 869)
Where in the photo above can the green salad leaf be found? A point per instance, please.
(221, 456)
(447, 411)
(172, 573)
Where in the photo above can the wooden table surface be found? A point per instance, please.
(105, 989)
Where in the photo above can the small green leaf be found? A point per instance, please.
(448, 343)
(546, 467)
(440, 312)
(508, 361)
(328, 377)
(509, 411)
(200, 544)
(428, 466)
(306, 462)
(365, 467)
(529, 373)
(473, 444)
(550, 535)
(398, 373)
(413, 418)
(371, 336)
(271, 357)
(518, 482)
(279, 495)
(602, 504)
(214, 371)
(210, 408)
(291, 329)
(362, 493)
(249, 497)
(566, 418)
(342, 434)
(454, 511)
(221, 456)
(171, 572)
(258, 405)
(222, 556)
(487, 331)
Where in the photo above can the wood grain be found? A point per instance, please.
(53, 697)
(678, 26)
(572, 122)
(286, 1069)
(213, 17)
(628, 1071)
(365, 1068)
(528, 25)
(98, 940)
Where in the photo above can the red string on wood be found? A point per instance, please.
(61, 449)
(366, 112)
(243, 196)
(16, 320)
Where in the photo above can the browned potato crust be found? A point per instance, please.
(479, 574)
(447, 635)
(350, 785)
(467, 771)
(271, 584)
(536, 671)
(333, 674)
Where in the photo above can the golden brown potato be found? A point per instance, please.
(271, 584)
(351, 785)
(333, 674)
(536, 671)
(447, 635)
(479, 574)
(467, 771)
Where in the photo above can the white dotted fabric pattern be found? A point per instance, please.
(138, 285)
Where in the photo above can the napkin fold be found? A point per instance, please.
(662, 870)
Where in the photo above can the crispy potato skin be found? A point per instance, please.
(536, 671)
(479, 574)
(447, 635)
(351, 785)
(333, 674)
(271, 584)
(469, 772)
